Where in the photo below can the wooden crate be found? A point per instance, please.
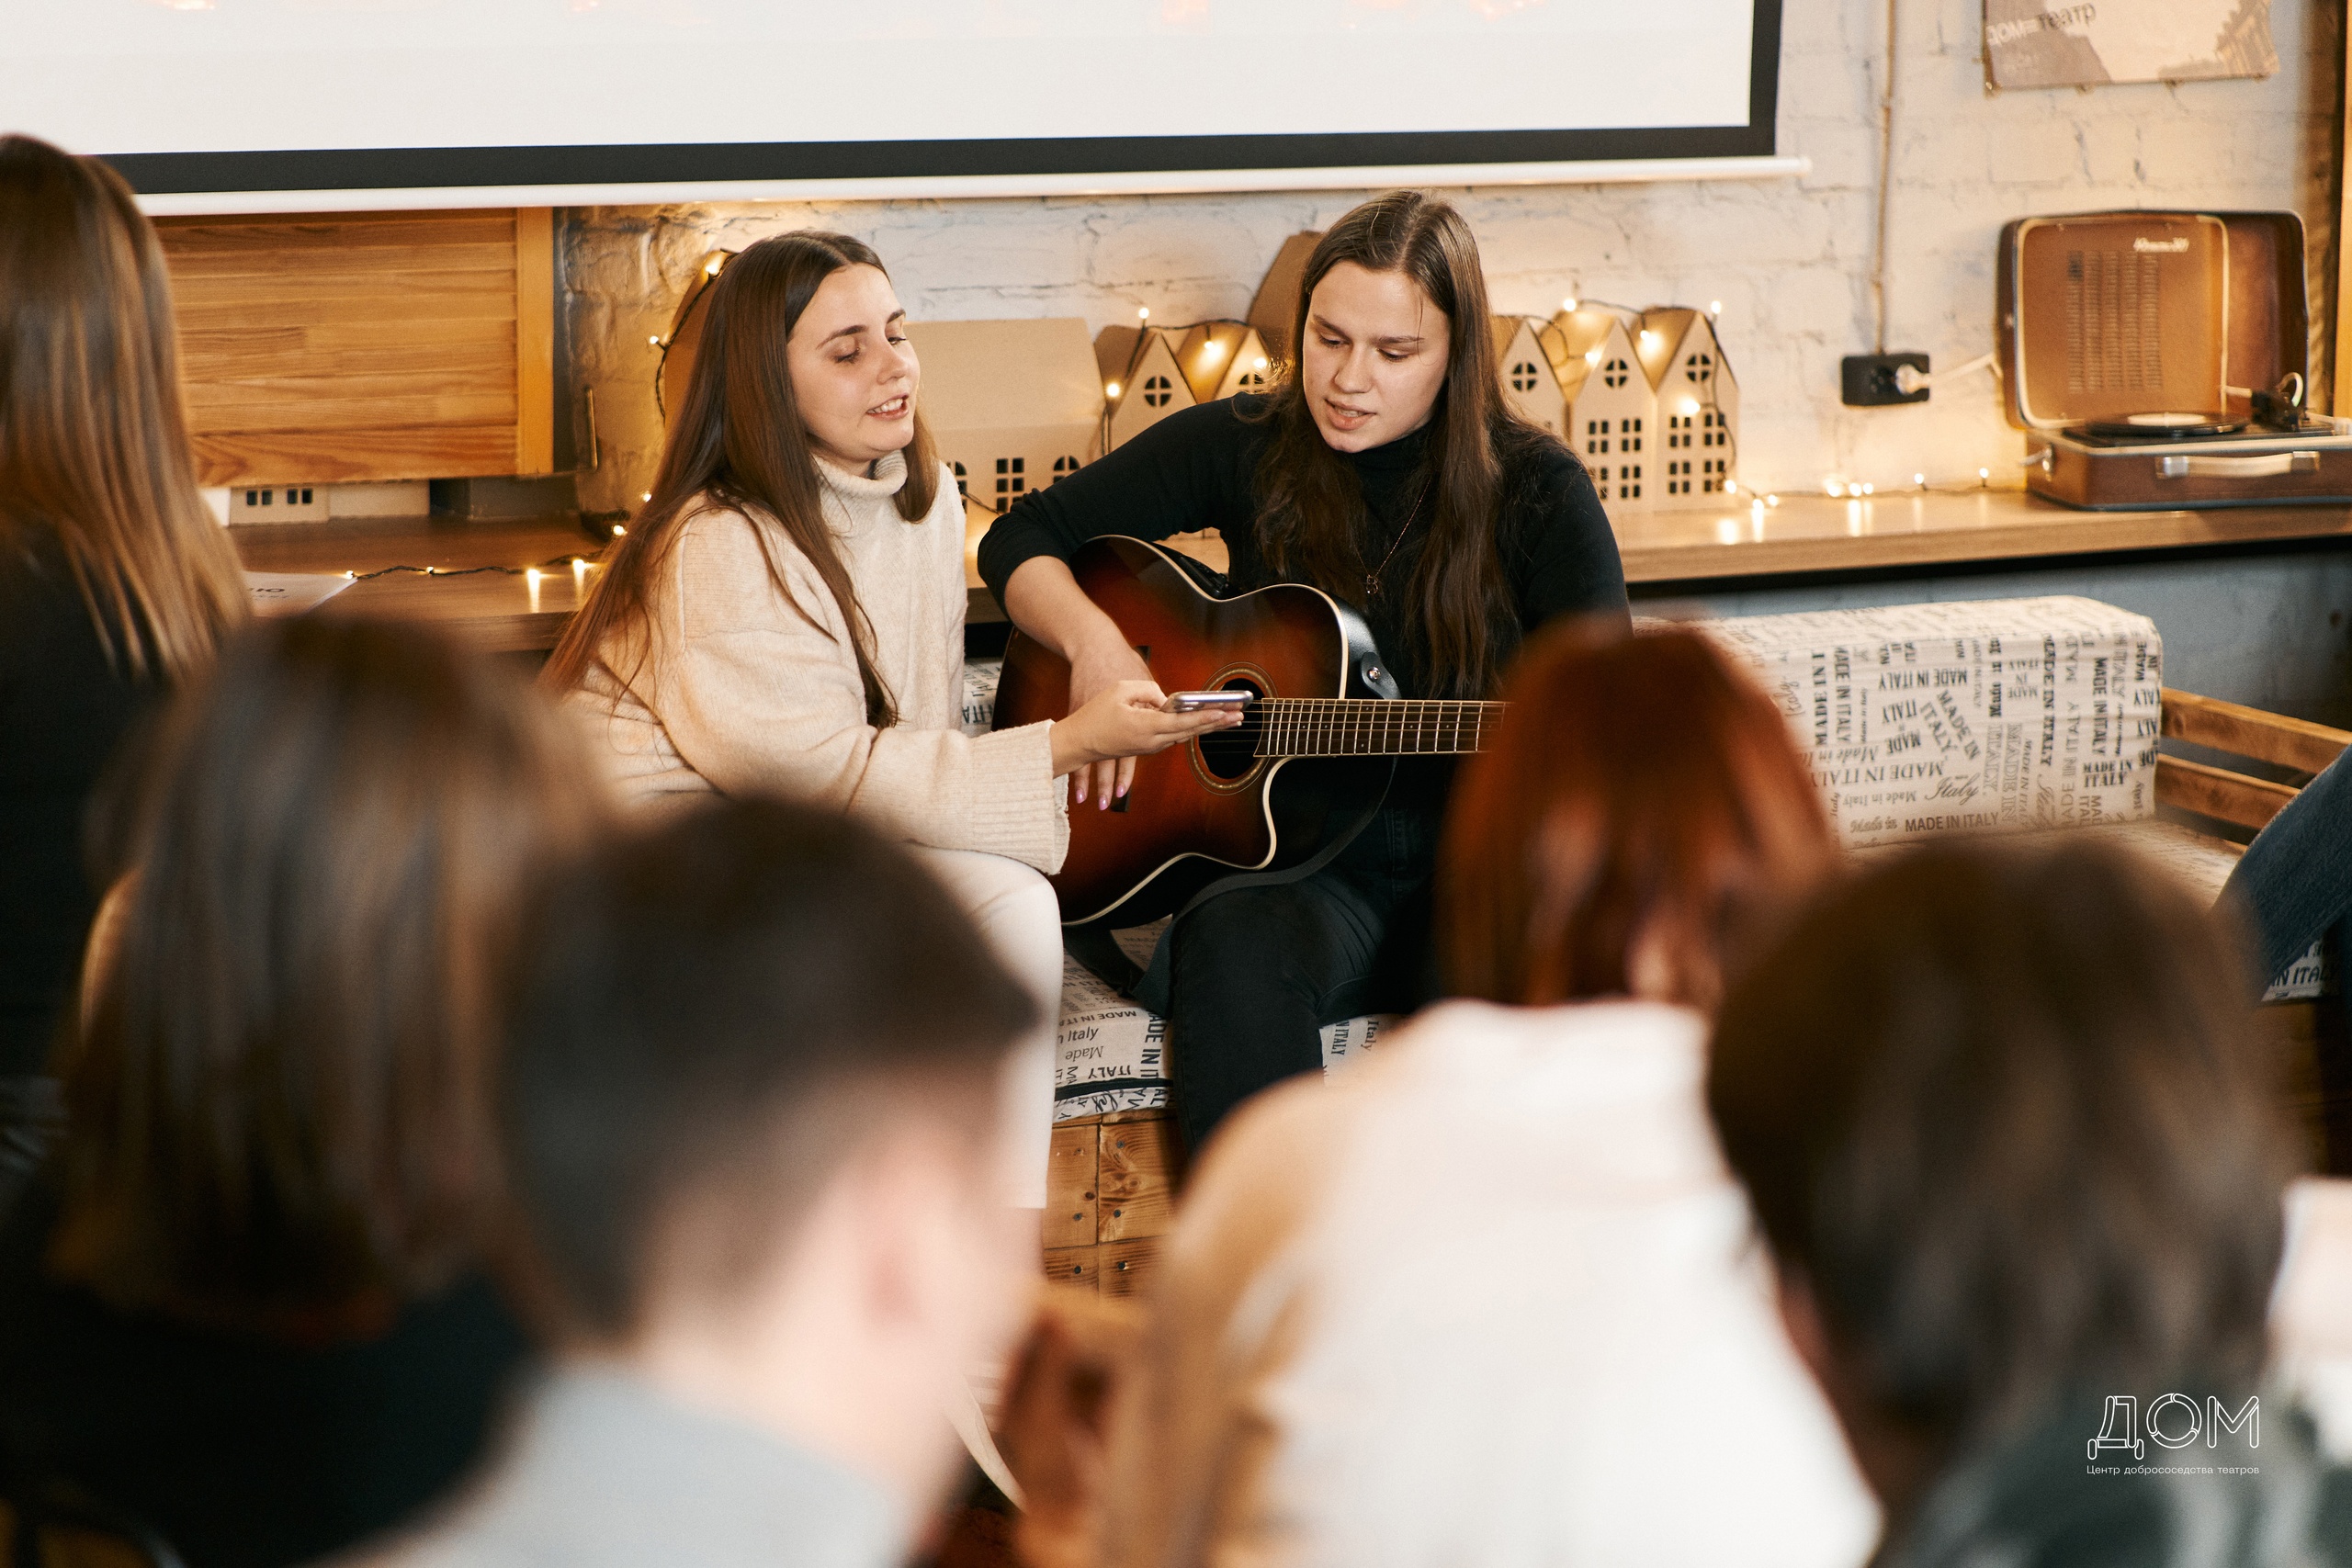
(366, 346)
(1109, 1198)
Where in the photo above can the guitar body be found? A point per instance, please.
(1207, 808)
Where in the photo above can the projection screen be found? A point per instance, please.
(254, 104)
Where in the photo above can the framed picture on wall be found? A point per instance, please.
(2088, 43)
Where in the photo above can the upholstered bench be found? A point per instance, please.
(1925, 719)
(1918, 721)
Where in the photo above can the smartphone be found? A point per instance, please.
(1201, 701)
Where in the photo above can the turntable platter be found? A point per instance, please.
(2165, 426)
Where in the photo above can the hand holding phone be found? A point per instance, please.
(1135, 718)
(1201, 701)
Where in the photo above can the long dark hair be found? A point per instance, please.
(278, 1101)
(94, 447)
(1310, 504)
(738, 441)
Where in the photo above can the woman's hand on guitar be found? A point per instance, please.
(1100, 658)
(1119, 723)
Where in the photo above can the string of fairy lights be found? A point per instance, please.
(1210, 353)
(1835, 487)
(532, 576)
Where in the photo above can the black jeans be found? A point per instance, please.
(2294, 882)
(2294, 886)
(1254, 974)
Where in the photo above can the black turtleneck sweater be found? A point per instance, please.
(66, 708)
(1198, 470)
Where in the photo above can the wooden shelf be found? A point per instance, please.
(1808, 534)
(1803, 535)
(1816, 534)
(492, 611)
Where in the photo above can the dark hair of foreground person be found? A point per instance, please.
(712, 1015)
(244, 1299)
(2012, 1140)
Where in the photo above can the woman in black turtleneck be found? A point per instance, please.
(1385, 471)
(115, 582)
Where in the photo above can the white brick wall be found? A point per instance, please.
(1790, 259)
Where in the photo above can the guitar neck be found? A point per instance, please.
(1358, 726)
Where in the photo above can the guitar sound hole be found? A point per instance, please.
(1231, 753)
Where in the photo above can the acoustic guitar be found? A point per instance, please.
(1209, 808)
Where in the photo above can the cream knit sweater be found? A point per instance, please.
(744, 691)
(1488, 1298)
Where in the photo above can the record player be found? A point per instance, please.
(2157, 361)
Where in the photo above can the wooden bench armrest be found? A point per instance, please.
(2218, 792)
(2249, 732)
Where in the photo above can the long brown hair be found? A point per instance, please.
(1642, 806)
(277, 1104)
(1309, 503)
(738, 441)
(94, 447)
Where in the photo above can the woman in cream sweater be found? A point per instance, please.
(786, 617)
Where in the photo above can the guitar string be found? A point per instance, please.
(1344, 726)
(1352, 724)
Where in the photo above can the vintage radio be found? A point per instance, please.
(2157, 361)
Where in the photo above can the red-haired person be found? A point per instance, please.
(1490, 1297)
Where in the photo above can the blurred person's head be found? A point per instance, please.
(1641, 812)
(277, 1098)
(94, 446)
(2003, 1121)
(751, 1110)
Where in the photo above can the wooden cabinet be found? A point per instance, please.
(366, 346)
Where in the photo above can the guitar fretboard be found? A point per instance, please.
(1359, 726)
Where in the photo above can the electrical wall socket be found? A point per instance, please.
(277, 503)
(1867, 380)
